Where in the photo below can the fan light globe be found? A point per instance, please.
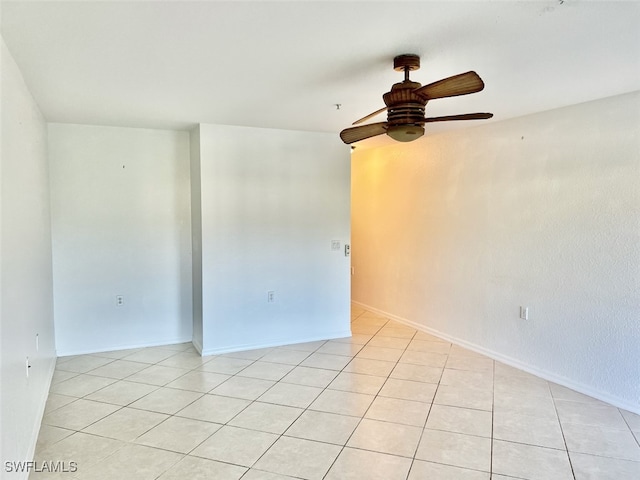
(405, 133)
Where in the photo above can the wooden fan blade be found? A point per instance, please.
(466, 116)
(461, 84)
(355, 134)
(371, 115)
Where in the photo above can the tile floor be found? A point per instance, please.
(388, 403)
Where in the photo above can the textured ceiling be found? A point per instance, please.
(286, 64)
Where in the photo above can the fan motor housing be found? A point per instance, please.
(403, 106)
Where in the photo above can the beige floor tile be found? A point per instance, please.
(55, 401)
(81, 385)
(116, 354)
(184, 360)
(326, 361)
(460, 420)
(380, 353)
(289, 394)
(62, 375)
(408, 390)
(157, 375)
(79, 414)
(340, 348)
(591, 467)
(286, 356)
(417, 373)
(255, 354)
(194, 468)
(147, 462)
(529, 386)
(126, 424)
(255, 474)
(466, 397)
(213, 408)
(304, 346)
(199, 381)
(119, 369)
(235, 445)
(469, 362)
(355, 338)
(82, 363)
(226, 365)
(388, 342)
(600, 441)
(427, 346)
(243, 387)
(532, 430)
(354, 464)
(342, 403)
(531, 462)
(356, 382)
(166, 400)
(459, 450)
(421, 470)
(323, 427)
(312, 377)
(467, 378)
(81, 448)
(399, 411)
(150, 355)
(424, 358)
(122, 393)
(385, 437)
(397, 331)
(370, 367)
(312, 459)
(535, 406)
(364, 329)
(598, 415)
(266, 370)
(632, 419)
(266, 417)
(178, 434)
(49, 435)
(563, 393)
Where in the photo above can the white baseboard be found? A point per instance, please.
(545, 374)
(275, 343)
(114, 348)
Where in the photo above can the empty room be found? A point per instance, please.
(271, 240)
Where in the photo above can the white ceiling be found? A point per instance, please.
(164, 64)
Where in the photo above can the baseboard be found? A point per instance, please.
(532, 369)
(275, 343)
(35, 429)
(114, 348)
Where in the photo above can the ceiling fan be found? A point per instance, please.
(406, 101)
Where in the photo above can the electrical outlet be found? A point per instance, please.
(335, 245)
(524, 313)
(119, 300)
(271, 296)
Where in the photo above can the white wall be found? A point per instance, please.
(26, 299)
(272, 202)
(121, 226)
(455, 231)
